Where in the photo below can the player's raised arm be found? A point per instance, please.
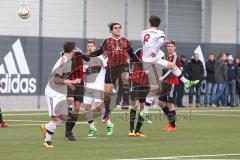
(99, 51)
(131, 53)
(79, 53)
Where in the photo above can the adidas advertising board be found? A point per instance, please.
(15, 76)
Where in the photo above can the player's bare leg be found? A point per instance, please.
(177, 72)
(50, 128)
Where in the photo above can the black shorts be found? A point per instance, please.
(166, 93)
(139, 92)
(114, 73)
(78, 93)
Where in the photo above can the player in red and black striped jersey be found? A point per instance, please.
(118, 50)
(139, 92)
(170, 81)
(75, 97)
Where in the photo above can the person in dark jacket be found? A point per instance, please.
(231, 83)
(220, 77)
(211, 86)
(237, 63)
(195, 71)
(180, 87)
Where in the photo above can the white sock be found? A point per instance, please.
(51, 126)
(108, 122)
(48, 137)
(149, 99)
(145, 109)
(177, 72)
(89, 115)
(183, 79)
(59, 123)
(91, 125)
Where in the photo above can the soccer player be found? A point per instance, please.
(118, 49)
(94, 88)
(152, 40)
(140, 89)
(75, 97)
(56, 91)
(166, 97)
(2, 123)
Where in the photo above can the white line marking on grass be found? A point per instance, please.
(24, 120)
(15, 125)
(91, 137)
(177, 157)
(219, 115)
(25, 114)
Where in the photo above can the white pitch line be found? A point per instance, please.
(218, 115)
(120, 112)
(25, 120)
(177, 157)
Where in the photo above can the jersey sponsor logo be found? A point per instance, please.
(15, 74)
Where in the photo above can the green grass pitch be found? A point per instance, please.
(201, 134)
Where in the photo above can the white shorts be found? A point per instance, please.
(57, 106)
(154, 72)
(93, 96)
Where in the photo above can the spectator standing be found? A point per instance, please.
(211, 86)
(195, 71)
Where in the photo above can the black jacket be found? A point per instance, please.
(210, 68)
(195, 70)
(221, 73)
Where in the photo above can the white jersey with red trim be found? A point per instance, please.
(62, 68)
(152, 40)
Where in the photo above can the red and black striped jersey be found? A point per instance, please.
(117, 51)
(175, 59)
(138, 75)
(77, 68)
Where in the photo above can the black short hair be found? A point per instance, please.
(68, 46)
(111, 25)
(172, 42)
(154, 21)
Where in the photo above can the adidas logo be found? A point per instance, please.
(12, 71)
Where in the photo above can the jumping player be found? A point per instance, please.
(118, 49)
(152, 40)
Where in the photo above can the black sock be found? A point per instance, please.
(132, 119)
(107, 101)
(71, 122)
(172, 117)
(1, 120)
(125, 95)
(165, 110)
(89, 122)
(139, 123)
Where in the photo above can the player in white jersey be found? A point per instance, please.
(152, 40)
(94, 88)
(56, 91)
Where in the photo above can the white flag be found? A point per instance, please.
(201, 58)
